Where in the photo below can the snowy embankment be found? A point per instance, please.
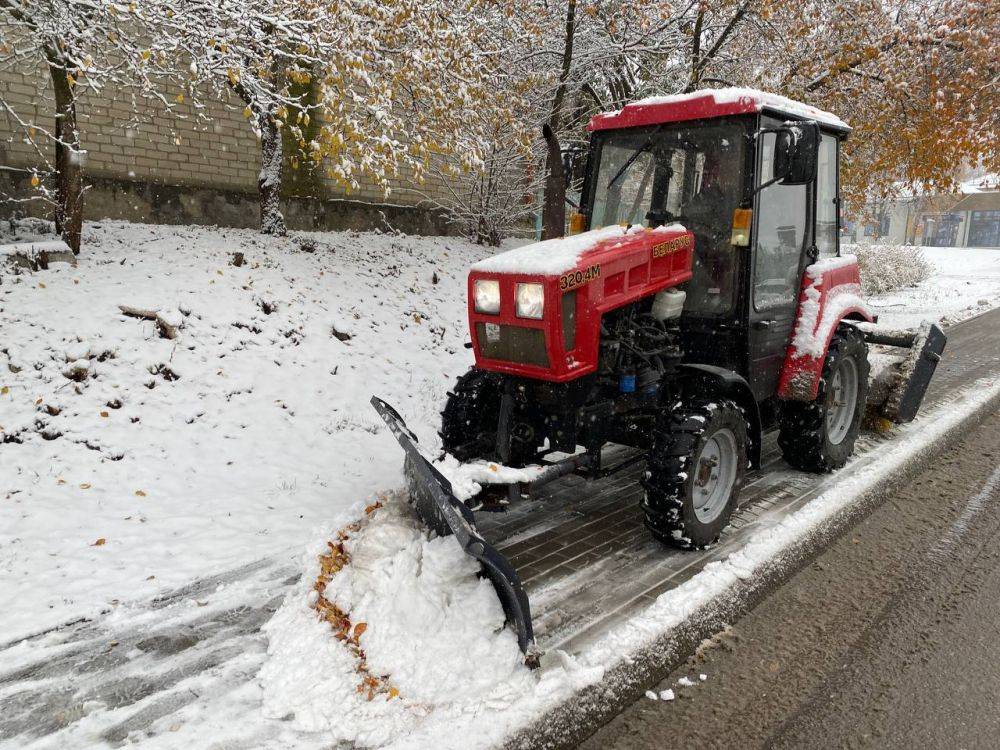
(132, 462)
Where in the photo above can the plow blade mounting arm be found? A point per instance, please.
(909, 384)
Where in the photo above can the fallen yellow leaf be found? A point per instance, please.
(85, 486)
(41, 284)
(4, 391)
(104, 414)
(99, 543)
(140, 493)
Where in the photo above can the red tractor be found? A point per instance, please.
(702, 301)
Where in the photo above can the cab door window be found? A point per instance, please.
(826, 198)
(781, 234)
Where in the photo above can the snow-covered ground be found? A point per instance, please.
(965, 282)
(131, 463)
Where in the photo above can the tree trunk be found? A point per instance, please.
(69, 174)
(554, 200)
(554, 208)
(696, 63)
(269, 181)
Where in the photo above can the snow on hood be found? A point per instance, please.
(562, 254)
(552, 257)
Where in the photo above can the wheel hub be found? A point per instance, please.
(715, 475)
(841, 401)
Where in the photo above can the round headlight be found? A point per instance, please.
(530, 301)
(487, 296)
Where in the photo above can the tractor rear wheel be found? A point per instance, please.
(819, 435)
(694, 472)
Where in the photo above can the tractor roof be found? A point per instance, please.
(708, 103)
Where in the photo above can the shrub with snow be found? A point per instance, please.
(885, 268)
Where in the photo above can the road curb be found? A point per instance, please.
(582, 713)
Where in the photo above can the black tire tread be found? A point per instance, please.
(471, 410)
(802, 426)
(666, 482)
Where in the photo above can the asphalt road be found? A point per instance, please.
(889, 639)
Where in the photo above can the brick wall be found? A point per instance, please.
(162, 167)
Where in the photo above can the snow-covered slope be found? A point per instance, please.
(130, 463)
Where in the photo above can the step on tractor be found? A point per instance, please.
(699, 300)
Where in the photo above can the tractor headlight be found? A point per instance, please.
(487, 296)
(530, 301)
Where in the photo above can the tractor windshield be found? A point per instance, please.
(686, 172)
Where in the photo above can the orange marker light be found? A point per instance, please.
(577, 223)
(741, 227)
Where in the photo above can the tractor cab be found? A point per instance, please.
(754, 177)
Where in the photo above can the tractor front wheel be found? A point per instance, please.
(819, 435)
(694, 472)
(470, 416)
(471, 419)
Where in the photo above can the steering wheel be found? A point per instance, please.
(659, 216)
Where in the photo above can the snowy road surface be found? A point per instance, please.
(178, 671)
(889, 639)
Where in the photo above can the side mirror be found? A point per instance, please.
(796, 152)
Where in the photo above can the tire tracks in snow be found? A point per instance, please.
(122, 672)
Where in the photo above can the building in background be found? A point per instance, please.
(969, 218)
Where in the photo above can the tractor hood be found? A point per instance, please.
(535, 311)
(559, 256)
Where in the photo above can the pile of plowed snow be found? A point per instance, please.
(433, 632)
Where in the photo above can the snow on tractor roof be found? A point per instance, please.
(559, 255)
(709, 103)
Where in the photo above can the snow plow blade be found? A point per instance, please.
(909, 381)
(432, 497)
